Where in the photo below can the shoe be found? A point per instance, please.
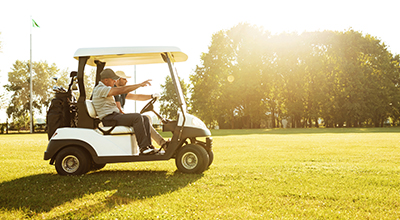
(160, 152)
(147, 150)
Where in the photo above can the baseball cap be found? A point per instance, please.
(121, 74)
(108, 73)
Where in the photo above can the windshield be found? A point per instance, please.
(177, 84)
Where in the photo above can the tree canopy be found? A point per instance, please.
(2, 95)
(18, 87)
(251, 78)
(169, 100)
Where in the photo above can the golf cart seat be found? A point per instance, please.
(106, 129)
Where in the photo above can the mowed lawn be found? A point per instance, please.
(257, 174)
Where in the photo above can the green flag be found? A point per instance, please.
(34, 24)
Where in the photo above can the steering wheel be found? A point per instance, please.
(149, 106)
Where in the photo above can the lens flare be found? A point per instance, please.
(231, 78)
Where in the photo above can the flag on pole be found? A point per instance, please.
(34, 24)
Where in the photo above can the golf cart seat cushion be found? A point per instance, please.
(90, 109)
(116, 130)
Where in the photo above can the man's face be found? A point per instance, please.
(109, 82)
(121, 82)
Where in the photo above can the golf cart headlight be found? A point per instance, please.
(198, 123)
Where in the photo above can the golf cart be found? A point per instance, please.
(87, 145)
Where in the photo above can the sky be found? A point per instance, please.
(66, 26)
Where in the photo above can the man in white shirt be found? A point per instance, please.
(108, 112)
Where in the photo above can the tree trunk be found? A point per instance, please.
(273, 118)
(316, 123)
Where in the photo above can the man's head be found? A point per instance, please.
(122, 78)
(108, 77)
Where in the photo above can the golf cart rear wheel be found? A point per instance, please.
(72, 161)
(192, 159)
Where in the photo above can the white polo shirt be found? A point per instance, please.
(103, 104)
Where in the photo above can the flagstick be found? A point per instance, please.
(134, 82)
(30, 80)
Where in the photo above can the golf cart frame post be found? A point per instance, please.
(84, 120)
(178, 90)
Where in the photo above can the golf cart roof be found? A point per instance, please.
(117, 56)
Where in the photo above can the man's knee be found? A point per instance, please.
(135, 117)
(148, 118)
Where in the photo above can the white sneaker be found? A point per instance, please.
(147, 150)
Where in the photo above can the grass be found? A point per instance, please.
(256, 174)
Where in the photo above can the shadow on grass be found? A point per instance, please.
(43, 192)
(227, 132)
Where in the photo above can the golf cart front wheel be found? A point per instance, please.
(72, 161)
(192, 159)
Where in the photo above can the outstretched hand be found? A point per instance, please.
(145, 83)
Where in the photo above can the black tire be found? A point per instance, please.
(72, 161)
(96, 166)
(210, 157)
(192, 159)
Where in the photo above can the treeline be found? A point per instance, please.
(250, 78)
(18, 88)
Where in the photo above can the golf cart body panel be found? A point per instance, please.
(193, 126)
(106, 145)
(89, 140)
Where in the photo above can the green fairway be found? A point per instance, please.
(257, 174)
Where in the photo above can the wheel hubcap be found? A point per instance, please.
(70, 163)
(189, 160)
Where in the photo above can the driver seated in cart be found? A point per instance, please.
(108, 112)
(120, 101)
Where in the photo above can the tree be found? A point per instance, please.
(169, 101)
(2, 95)
(227, 86)
(89, 80)
(18, 86)
(395, 98)
(210, 79)
(249, 44)
(342, 78)
(363, 80)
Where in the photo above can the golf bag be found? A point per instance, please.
(59, 114)
(62, 111)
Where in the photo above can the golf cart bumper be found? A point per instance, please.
(52, 149)
(47, 155)
(209, 142)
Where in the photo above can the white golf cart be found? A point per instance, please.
(86, 145)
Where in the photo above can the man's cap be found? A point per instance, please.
(108, 74)
(121, 74)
